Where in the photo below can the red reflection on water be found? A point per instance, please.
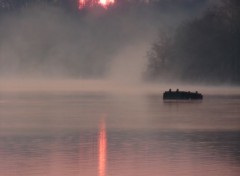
(102, 150)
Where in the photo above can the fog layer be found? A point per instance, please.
(47, 40)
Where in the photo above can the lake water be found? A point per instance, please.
(100, 134)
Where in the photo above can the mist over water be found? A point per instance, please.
(73, 101)
(47, 47)
(44, 41)
(99, 134)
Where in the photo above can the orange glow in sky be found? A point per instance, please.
(102, 150)
(104, 3)
(81, 4)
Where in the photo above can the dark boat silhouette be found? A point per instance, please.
(181, 95)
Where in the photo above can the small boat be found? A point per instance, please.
(182, 95)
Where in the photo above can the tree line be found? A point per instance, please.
(202, 50)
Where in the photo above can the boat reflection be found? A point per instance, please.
(102, 149)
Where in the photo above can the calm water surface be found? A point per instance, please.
(96, 134)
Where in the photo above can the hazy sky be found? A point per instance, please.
(58, 39)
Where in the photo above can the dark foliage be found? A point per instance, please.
(206, 49)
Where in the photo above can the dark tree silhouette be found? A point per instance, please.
(205, 49)
(159, 56)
